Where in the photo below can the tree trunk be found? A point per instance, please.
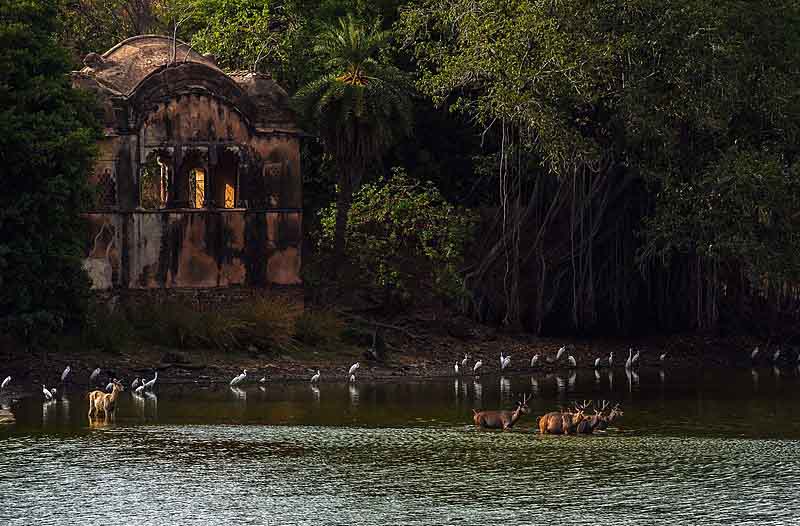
(344, 199)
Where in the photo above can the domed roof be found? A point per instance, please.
(123, 67)
(271, 99)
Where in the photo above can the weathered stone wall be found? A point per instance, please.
(188, 248)
(201, 300)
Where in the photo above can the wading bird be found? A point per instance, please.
(477, 366)
(65, 374)
(135, 383)
(263, 380)
(5, 382)
(754, 354)
(315, 378)
(504, 361)
(611, 359)
(635, 359)
(455, 368)
(560, 353)
(353, 368)
(48, 395)
(535, 360)
(239, 379)
(464, 361)
(629, 361)
(94, 375)
(139, 390)
(149, 385)
(776, 355)
(662, 357)
(571, 360)
(597, 363)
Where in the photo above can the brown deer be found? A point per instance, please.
(605, 421)
(501, 419)
(562, 422)
(106, 403)
(590, 423)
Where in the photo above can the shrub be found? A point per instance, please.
(318, 327)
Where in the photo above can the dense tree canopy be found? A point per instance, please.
(47, 137)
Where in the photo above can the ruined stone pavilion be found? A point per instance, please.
(198, 179)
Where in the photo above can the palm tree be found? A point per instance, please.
(360, 107)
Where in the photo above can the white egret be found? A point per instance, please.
(571, 360)
(263, 380)
(353, 368)
(239, 379)
(611, 359)
(110, 387)
(560, 353)
(47, 394)
(5, 382)
(464, 361)
(149, 385)
(65, 373)
(754, 354)
(662, 357)
(139, 390)
(455, 368)
(135, 383)
(315, 378)
(635, 358)
(596, 363)
(506, 361)
(629, 362)
(535, 360)
(477, 366)
(776, 355)
(502, 359)
(94, 375)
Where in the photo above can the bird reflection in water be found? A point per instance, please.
(534, 386)
(477, 389)
(505, 389)
(353, 390)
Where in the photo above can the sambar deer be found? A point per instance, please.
(590, 423)
(106, 403)
(562, 422)
(501, 419)
(605, 421)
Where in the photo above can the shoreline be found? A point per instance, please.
(422, 358)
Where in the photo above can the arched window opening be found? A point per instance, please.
(194, 174)
(154, 181)
(197, 185)
(226, 180)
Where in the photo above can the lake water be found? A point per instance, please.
(693, 447)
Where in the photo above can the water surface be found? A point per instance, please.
(693, 447)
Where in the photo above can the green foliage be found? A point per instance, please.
(405, 238)
(696, 102)
(47, 140)
(236, 32)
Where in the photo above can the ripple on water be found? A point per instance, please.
(376, 476)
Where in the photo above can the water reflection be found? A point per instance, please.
(534, 386)
(505, 389)
(477, 390)
(352, 389)
(238, 392)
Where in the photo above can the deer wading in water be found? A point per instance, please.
(562, 423)
(501, 419)
(106, 403)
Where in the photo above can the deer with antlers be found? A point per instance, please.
(606, 420)
(563, 422)
(504, 420)
(106, 403)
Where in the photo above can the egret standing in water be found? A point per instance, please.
(455, 368)
(611, 359)
(535, 360)
(560, 353)
(662, 357)
(135, 383)
(629, 361)
(315, 378)
(48, 395)
(504, 361)
(477, 366)
(635, 359)
(94, 375)
(65, 374)
(597, 363)
(5, 382)
(464, 361)
(776, 355)
(353, 368)
(149, 385)
(754, 354)
(239, 379)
